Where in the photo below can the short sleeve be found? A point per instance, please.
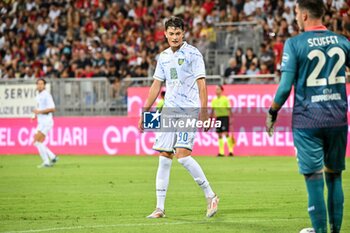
(159, 73)
(289, 60)
(198, 66)
(50, 103)
(348, 57)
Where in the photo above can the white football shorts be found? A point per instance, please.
(44, 127)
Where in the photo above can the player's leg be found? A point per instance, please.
(45, 130)
(230, 143)
(183, 152)
(335, 150)
(221, 142)
(164, 144)
(309, 145)
(188, 162)
(39, 138)
(225, 131)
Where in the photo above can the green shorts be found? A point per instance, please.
(321, 147)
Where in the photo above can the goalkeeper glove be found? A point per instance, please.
(270, 121)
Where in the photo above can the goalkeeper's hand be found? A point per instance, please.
(270, 121)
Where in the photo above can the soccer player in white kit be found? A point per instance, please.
(43, 113)
(182, 68)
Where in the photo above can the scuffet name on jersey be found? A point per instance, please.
(322, 41)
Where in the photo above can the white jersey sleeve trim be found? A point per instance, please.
(200, 76)
(157, 78)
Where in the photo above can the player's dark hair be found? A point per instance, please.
(162, 94)
(316, 8)
(41, 79)
(175, 22)
(221, 87)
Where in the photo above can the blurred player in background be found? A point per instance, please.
(222, 111)
(315, 62)
(161, 101)
(182, 67)
(43, 113)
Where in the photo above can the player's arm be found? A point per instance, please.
(151, 98)
(281, 97)
(45, 111)
(159, 78)
(283, 90)
(153, 94)
(289, 67)
(203, 96)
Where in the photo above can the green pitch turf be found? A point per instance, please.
(114, 194)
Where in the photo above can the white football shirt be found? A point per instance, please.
(180, 71)
(44, 101)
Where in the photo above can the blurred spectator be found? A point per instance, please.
(253, 69)
(249, 7)
(267, 57)
(179, 8)
(250, 58)
(118, 38)
(240, 59)
(233, 69)
(278, 50)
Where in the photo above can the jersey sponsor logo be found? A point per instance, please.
(173, 73)
(325, 97)
(285, 59)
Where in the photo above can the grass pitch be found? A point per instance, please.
(114, 194)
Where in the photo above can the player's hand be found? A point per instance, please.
(33, 117)
(204, 116)
(271, 118)
(140, 125)
(36, 111)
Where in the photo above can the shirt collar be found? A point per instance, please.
(182, 46)
(316, 28)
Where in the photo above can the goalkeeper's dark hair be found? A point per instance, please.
(41, 79)
(175, 22)
(316, 8)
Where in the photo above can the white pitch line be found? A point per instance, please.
(144, 224)
(97, 226)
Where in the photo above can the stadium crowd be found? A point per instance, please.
(122, 38)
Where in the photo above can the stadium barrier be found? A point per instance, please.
(120, 136)
(80, 96)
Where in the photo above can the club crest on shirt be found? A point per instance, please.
(181, 61)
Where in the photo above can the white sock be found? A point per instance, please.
(42, 152)
(49, 153)
(162, 180)
(198, 175)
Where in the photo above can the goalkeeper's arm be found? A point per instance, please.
(282, 95)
